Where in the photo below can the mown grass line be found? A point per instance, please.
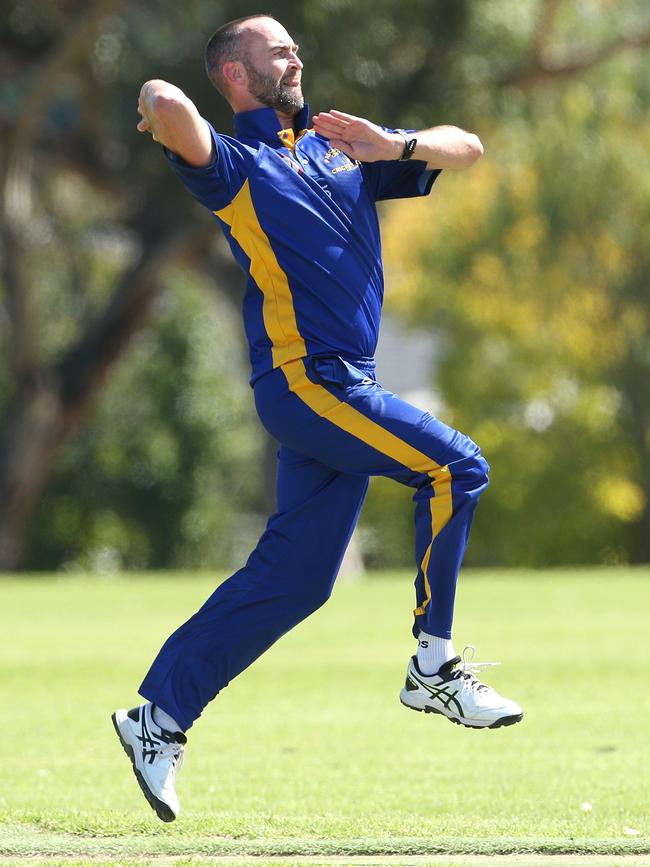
(26, 842)
(528, 860)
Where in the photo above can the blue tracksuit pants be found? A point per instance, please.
(337, 426)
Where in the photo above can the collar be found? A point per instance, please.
(262, 125)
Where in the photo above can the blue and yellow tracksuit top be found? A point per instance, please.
(301, 220)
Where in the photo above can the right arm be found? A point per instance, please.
(174, 121)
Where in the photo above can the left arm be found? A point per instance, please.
(441, 147)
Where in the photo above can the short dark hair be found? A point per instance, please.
(226, 43)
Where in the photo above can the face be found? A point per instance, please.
(272, 66)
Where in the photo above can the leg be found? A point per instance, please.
(333, 412)
(344, 418)
(288, 576)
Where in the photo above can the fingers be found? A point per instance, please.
(342, 115)
(330, 117)
(328, 126)
(143, 125)
(337, 119)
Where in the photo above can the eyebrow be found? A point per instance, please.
(294, 48)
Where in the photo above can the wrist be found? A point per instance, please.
(396, 146)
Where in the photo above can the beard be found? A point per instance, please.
(274, 94)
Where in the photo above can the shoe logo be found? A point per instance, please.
(150, 743)
(445, 698)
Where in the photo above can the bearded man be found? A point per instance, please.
(297, 206)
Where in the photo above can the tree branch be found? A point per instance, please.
(540, 71)
(66, 53)
(15, 181)
(545, 27)
(85, 365)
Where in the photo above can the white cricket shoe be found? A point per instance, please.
(455, 692)
(156, 756)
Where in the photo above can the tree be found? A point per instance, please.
(92, 218)
(535, 276)
(60, 143)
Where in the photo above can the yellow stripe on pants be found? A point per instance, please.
(344, 416)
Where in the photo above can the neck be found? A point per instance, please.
(286, 120)
(249, 103)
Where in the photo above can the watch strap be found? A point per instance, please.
(409, 145)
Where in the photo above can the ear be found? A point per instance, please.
(235, 73)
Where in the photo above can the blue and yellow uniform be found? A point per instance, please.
(301, 220)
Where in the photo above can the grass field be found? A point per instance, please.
(309, 752)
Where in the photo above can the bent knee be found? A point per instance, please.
(480, 472)
(471, 473)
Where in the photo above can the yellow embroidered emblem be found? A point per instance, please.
(347, 165)
(331, 153)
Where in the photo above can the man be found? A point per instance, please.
(297, 206)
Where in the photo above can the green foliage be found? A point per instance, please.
(533, 271)
(387, 528)
(147, 482)
(152, 479)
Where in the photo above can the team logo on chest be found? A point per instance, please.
(343, 162)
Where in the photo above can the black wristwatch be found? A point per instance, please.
(409, 145)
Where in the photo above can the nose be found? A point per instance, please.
(296, 61)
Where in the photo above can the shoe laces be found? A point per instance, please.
(467, 668)
(173, 753)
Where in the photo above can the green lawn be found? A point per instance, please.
(310, 751)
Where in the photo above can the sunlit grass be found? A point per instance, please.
(310, 750)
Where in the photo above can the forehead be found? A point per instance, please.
(268, 31)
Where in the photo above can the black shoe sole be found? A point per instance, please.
(159, 807)
(497, 724)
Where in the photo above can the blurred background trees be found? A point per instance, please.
(537, 283)
(127, 433)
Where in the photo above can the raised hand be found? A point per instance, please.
(146, 109)
(358, 138)
(173, 120)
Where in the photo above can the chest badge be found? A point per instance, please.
(343, 162)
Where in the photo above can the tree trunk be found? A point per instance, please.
(32, 431)
(49, 403)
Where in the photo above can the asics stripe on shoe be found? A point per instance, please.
(455, 692)
(156, 756)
